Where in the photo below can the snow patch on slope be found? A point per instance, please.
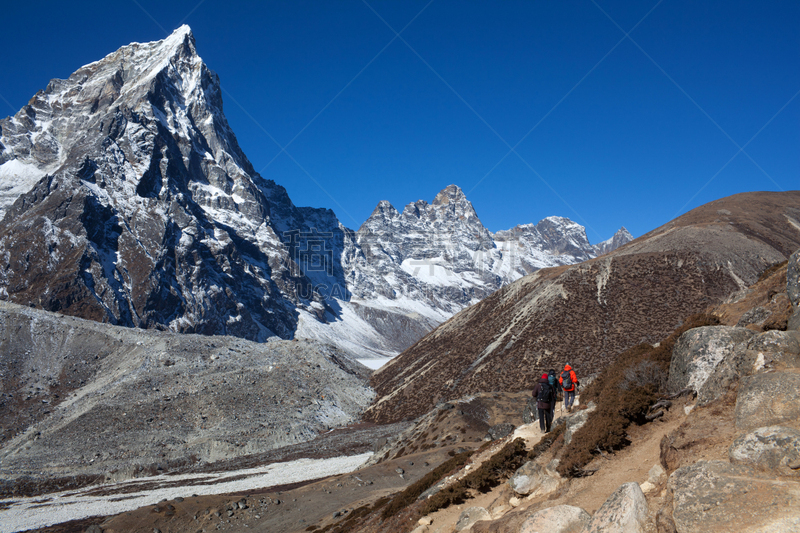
(16, 179)
(22, 514)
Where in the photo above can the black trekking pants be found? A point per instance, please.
(545, 419)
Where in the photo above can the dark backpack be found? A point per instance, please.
(545, 392)
(553, 380)
(567, 380)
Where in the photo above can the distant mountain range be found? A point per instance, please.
(125, 198)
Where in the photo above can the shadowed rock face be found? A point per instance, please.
(588, 313)
(137, 207)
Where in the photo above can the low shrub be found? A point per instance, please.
(771, 270)
(414, 490)
(349, 522)
(623, 392)
(491, 473)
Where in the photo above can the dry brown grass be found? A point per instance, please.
(623, 392)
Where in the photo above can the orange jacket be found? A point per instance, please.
(572, 376)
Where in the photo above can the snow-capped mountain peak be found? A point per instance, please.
(136, 206)
(152, 214)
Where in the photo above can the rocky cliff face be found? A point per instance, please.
(137, 207)
(125, 198)
(588, 313)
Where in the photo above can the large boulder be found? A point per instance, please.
(773, 448)
(533, 480)
(577, 421)
(767, 400)
(761, 353)
(699, 351)
(625, 511)
(718, 497)
(558, 519)
(471, 515)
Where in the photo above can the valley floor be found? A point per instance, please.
(36, 512)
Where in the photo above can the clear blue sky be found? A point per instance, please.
(607, 130)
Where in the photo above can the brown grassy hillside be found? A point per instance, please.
(588, 313)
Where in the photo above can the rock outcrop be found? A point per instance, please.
(577, 421)
(772, 448)
(715, 496)
(793, 283)
(768, 400)
(471, 515)
(757, 490)
(532, 479)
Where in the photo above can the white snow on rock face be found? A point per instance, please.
(16, 179)
(153, 217)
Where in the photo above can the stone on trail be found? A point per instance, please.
(657, 474)
(771, 448)
(647, 487)
(558, 519)
(625, 511)
(768, 400)
(718, 497)
(470, 516)
(534, 480)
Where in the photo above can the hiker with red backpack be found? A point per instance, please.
(569, 382)
(545, 397)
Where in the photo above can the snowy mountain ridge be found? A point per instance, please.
(137, 207)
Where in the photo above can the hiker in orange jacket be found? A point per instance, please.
(569, 382)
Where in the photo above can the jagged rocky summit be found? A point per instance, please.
(137, 207)
(125, 198)
(412, 270)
